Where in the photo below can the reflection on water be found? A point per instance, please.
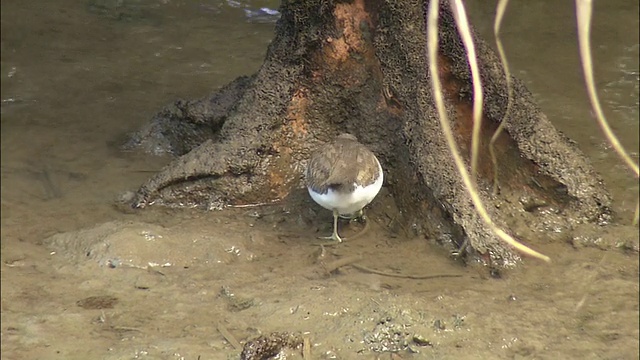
(137, 11)
(621, 94)
(79, 75)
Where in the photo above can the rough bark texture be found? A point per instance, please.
(360, 67)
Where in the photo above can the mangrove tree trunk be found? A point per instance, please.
(360, 66)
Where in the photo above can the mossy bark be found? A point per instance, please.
(360, 66)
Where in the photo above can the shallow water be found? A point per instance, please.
(77, 76)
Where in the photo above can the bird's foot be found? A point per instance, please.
(355, 216)
(361, 219)
(335, 237)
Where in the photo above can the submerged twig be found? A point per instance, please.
(306, 348)
(335, 265)
(52, 191)
(403, 276)
(588, 283)
(432, 48)
(228, 336)
(352, 260)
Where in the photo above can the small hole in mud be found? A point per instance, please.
(495, 273)
(562, 189)
(98, 302)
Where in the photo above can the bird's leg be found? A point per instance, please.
(362, 218)
(335, 235)
(359, 216)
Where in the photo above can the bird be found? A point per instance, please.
(343, 176)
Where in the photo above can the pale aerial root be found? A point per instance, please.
(462, 23)
(465, 34)
(584, 10)
(469, 181)
(500, 10)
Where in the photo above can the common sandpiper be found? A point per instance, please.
(343, 176)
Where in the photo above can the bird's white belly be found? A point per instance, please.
(348, 203)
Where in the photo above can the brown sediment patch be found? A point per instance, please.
(345, 54)
(296, 112)
(282, 173)
(351, 18)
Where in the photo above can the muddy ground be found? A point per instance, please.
(173, 289)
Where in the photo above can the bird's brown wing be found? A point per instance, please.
(329, 168)
(339, 165)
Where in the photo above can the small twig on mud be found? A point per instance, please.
(103, 319)
(403, 276)
(244, 206)
(589, 281)
(228, 336)
(306, 348)
(121, 329)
